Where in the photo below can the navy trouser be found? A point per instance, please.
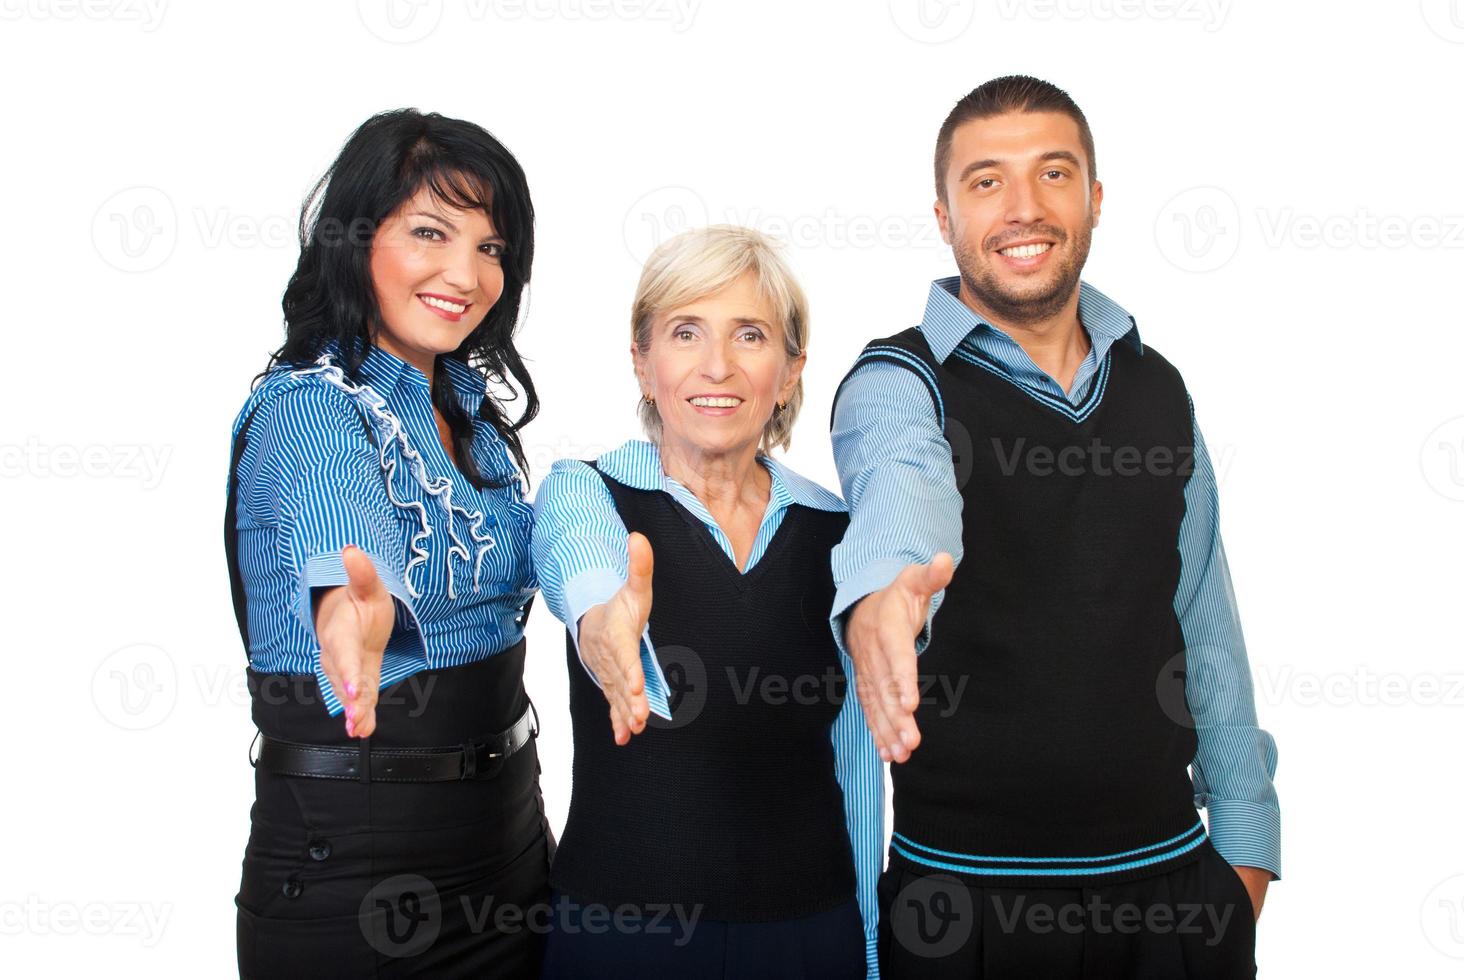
(1194, 922)
(654, 942)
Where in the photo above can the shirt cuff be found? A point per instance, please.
(871, 578)
(590, 588)
(328, 569)
(1247, 834)
(595, 587)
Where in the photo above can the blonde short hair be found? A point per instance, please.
(707, 260)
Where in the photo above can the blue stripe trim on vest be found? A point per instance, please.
(971, 863)
(916, 364)
(1077, 413)
(1101, 857)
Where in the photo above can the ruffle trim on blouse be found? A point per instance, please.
(397, 445)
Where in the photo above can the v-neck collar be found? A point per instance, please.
(637, 464)
(741, 580)
(1061, 406)
(953, 330)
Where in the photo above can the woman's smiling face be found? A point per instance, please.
(437, 271)
(717, 367)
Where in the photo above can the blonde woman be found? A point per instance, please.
(738, 832)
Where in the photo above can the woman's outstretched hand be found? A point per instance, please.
(353, 622)
(609, 643)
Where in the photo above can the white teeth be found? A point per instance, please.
(443, 304)
(1025, 251)
(716, 402)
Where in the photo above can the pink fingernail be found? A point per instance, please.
(351, 688)
(350, 728)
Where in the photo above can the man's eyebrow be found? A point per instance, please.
(1060, 155)
(972, 168)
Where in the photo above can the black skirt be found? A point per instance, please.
(395, 879)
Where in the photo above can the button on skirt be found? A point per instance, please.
(397, 879)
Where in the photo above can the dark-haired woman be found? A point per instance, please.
(379, 546)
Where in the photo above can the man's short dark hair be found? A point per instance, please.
(1009, 93)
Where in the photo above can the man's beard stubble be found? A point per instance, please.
(981, 281)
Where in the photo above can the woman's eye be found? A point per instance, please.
(425, 232)
(681, 333)
(752, 336)
(493, 250)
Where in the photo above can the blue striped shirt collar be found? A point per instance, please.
(637, 463)
(384, 371)
(948, 321)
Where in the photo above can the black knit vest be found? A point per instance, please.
(732, 806)
(1054, 722)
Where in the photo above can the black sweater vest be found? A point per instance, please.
(732, 805)
(1054, 723)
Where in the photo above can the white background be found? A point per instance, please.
(1283, 216)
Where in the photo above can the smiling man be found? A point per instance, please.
(1035, 596)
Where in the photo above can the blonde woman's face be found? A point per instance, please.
(717, 368)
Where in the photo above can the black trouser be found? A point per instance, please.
(1191, 923)
(669, 942)
(344, 878)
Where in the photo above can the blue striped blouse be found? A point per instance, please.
(456, 560)
(895, 467)
(580, 555)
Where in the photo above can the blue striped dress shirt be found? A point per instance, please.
(581, 559)
(455, 559)
(895, 467)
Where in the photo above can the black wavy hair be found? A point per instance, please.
(330, 296)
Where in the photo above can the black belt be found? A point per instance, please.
(478, 758)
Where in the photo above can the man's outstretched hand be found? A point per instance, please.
(880, 637)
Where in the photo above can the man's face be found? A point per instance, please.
(1019, 212)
